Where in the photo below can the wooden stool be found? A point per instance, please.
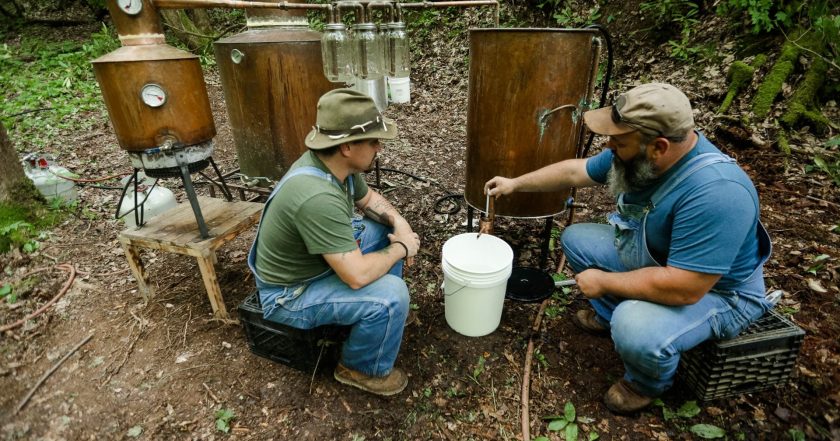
(175, 231)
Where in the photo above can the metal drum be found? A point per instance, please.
(272, 77)
(528, 89)
(155, 96)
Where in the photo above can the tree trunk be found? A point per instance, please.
(15, 187)
(195, 32)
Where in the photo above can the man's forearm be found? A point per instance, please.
(555, 177)
(663, 285)
(379, 209)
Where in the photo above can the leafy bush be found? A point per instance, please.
(679, 16)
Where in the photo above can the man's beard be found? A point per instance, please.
(634, 175)
(372, 165)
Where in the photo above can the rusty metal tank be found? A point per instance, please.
(527, 91)
(272, 78)
(154, 94)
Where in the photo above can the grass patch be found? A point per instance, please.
(23, 228)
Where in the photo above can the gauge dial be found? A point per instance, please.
(153, 95)
(130, 7)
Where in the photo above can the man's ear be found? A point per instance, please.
(344, 149)
(660, 147)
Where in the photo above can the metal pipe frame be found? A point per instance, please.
(329, 9)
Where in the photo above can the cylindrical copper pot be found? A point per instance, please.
(272, 79)
(528, 89)
(183, 114)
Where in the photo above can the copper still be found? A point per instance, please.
(528, 89)
(272, 78)
(155, 94)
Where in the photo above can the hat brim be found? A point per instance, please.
(600, 121)
(319, 141)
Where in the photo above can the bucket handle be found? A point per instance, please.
(463, 283)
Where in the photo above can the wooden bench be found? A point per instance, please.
(176, 231)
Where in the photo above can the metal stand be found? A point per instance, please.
(182, 170)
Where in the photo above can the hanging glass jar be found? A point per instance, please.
(337, 54)
(398, 53)
(368, 52)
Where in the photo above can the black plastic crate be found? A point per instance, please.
(302, 349)
(759, 358)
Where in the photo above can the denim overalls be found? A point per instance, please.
(376, 311)
(650, 336)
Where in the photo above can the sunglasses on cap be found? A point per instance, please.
(618, 119)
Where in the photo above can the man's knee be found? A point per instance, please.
(635, 335)
(394, 291)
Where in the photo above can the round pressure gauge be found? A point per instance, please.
(153, 95)
(130, 7)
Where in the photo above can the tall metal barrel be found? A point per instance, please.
(272, 77)
(528, 89)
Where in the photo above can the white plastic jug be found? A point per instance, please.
(48, 177)
(399, 90)
(475, 269)
(158, 200)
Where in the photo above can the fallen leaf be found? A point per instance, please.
(816, 286)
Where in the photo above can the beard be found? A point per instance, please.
(630, 176)
(372, 165)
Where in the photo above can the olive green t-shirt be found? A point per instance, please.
(308, 217)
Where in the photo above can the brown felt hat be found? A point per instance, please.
(655, 108)
(346, 115)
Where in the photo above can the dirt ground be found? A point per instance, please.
(162, 369)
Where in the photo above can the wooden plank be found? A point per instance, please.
(132, 254)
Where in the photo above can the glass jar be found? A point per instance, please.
(398, 53)
(368, 52)
(337, 53)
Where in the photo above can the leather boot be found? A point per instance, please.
(390, 384)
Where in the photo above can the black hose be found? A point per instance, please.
(449, 197)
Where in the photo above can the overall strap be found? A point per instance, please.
(689, 168)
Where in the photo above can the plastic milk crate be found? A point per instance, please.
(759, 358)
(302, 349)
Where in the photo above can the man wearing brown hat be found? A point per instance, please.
(316, 263)
(681, 259)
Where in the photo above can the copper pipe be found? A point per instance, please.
(381, 4)
(358, 13)
(234, 4)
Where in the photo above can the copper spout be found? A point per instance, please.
(485, 225)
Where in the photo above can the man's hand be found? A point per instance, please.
(411, 241)
(590, 283)
(499, 186)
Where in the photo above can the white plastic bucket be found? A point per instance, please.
(399, 90)
(51, 184)
(475, 271)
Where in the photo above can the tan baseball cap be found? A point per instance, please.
(346, 115)
(655, 108)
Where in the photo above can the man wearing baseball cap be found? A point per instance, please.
(681, 259)
(316, 263)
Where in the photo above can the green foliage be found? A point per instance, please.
(568, 423)
(796, 435)
(832, 169)
(49, 86)
(570, 13)
(223, 419)
(135, 432)
(707, 431)
(675, 16)
(479, 368)
(689, 409)
(7, 293)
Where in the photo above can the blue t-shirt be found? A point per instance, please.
(707, 224)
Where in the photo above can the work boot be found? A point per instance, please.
(588, 320)
(623, 399)
(391, 384)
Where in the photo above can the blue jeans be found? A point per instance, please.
(376, 312)
(648, 336)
